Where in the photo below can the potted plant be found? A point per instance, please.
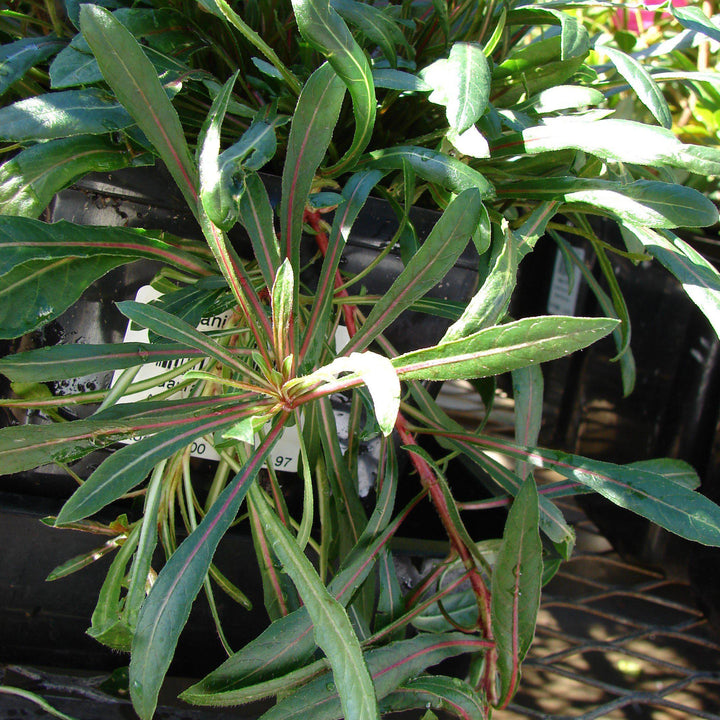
(494, 119)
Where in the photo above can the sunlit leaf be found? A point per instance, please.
(642, 83)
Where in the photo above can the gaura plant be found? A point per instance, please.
(489, 112)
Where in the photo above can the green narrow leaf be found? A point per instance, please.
(435, 167)
(316, 114)
(171, 327)
(331, 626)
(218, 200)
(31, 178)
(693, 18)
(27, 241)
(107, 626)
(325, 30)
(612, 139)
(81, 561)
(528, 395)
(699, 279)
(390, 666)
(135, 83)
(23, 447)
(502, 348)
(428, 266)
(374, 24)
(461, 83)
(641, 82)
(16, 58)
(642, 202)
(130, 465)
(661, 500)
(490, 303)
(574, 38)
(62, 114)
(256, 215)
(438, 692)
(354, 194)
(516, 584)
(167, 607)
(34, 293)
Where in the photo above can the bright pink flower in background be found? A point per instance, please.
(647, 16)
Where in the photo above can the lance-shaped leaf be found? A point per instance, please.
(135, 82)
(661, 500)
(30, 180)
(355, 193)
(173, 328)
(516, 583)
(610, 139)
(325, 30)
(375, 24)
(34, 293)
(643, 202)
(331, 627)
(528, 395)
(435, 167)
(222, 174)
(460, 82)
(16, 58)
(219, 202)
(574, 39)
(699, 279)
(62, 114)
(315, 117)
(378, 374)
(427, 267)
(506, 347)
(167, 607)
(390, 666)
(641, 82)
(439, 693)
(490, 303)
(695, 19)
(24, 240)
(74, 360)
(130, 465)
(107, 624)
(23, 447)
(256, 215)
(267, 664)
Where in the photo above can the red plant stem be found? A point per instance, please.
(429, 481)
(321, 238)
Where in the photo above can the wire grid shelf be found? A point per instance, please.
(616, 640)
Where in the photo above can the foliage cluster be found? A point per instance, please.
(515, 119)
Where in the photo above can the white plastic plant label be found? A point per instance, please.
(285, 455)
(562, 299)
